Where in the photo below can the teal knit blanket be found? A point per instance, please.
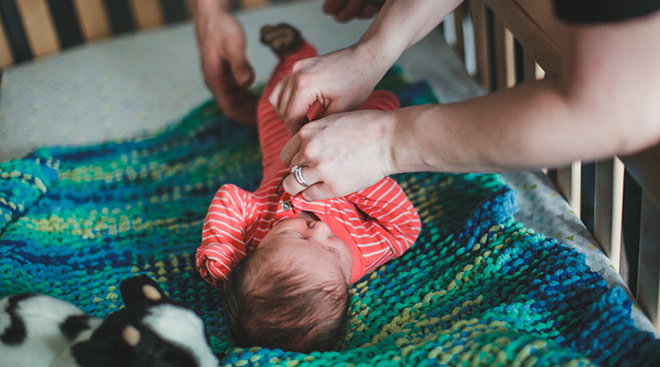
(477, 289)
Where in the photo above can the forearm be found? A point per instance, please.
(604, 104)
(530, 126)
(513, 129)
(401, 24)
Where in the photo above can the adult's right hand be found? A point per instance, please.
(227, 72)
(341, 153)
(338, 81)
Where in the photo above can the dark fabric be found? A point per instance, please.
(597, 11)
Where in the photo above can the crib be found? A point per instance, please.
(518, 40)
(491, 44)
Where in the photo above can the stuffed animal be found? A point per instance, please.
(39, 331)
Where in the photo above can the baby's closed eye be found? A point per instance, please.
(331, 249)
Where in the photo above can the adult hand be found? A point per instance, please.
(341, 154)
(345, 10)
(339, 81)
(227, 72)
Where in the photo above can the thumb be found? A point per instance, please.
(242, 71)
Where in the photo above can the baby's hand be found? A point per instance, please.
(215, 262)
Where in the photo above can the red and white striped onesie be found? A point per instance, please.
(378, 223)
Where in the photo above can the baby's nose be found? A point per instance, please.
(318, 227)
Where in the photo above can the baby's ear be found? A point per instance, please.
(140, 288)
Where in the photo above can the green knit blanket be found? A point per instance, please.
(477, 289)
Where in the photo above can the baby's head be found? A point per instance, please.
(292, 291)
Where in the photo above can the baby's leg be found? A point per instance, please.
(283, 39)
(289, 46)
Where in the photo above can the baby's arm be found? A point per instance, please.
(223, 235)
(390, 213)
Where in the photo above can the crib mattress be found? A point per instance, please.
(143, 82)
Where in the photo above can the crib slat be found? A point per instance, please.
(529, 67)
(569, 183)
(147, 13)
(645, 167)
(120, 16)
(63, 14)
(39, 26)
(190, 6)
(542, 12)
(93, 19)
(6, 58)
(608, 208)
(540, 45)
(459, 15)
(531, 70)
(505, 68)
(174, 11)
(480, 29)
(648, 281)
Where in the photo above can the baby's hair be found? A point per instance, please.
(286, 311)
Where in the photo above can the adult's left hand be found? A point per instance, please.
(340, 154)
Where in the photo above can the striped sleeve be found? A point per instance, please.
(390, 213)
(223, 235)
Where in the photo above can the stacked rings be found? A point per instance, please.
(297, 173)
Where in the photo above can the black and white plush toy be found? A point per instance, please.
(39, 331)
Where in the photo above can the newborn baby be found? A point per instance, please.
(285, 264)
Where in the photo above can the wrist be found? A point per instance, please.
(390, 152)
(412, 145)
(379, 46)
(376, 59)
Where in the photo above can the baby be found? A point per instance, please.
(285, 264)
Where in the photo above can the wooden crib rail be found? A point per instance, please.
(513, 39)
(34, 28)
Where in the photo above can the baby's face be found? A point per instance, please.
(316, 251)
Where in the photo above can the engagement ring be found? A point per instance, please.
(297, 173)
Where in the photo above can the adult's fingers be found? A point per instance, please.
(369, 10)
(352, 9)
(318, 191)
(277, 99)
(241, 69)
(309, 176)
(332, 7)
(290, 108)
(237, 102)
(290, 150)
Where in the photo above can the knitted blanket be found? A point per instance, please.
(477, 289)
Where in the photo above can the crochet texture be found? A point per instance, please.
(477, 289)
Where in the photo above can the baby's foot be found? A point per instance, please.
(283, 39)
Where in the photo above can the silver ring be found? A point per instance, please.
(297, 173)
